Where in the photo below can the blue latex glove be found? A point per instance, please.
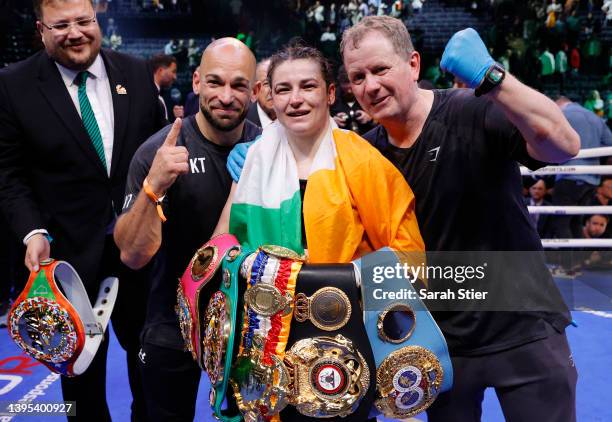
(236, 158)
(466, 57)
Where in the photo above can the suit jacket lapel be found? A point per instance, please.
(121, 105)
(54, 90)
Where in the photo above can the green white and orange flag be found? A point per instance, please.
(356, 201)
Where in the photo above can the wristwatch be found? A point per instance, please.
(494, 76)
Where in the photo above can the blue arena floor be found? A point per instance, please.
(591, 344)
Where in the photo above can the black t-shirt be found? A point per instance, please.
(192, 205)
(464, 173)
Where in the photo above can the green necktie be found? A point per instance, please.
(88, 117)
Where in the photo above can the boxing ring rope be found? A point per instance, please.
(594, 152)
(577, 243)
(567, 170)
(570, 210)
(574, 209)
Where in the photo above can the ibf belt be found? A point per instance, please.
(197, 278)
(327, 307)
(61, 331)
(259, 378)
(412, 359)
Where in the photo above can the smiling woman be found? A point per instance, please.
(309, 185)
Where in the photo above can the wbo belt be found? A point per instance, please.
(330, 361)
(196, 280)
(412, 361)
(61, 330)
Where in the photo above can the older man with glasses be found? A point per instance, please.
(71, 118)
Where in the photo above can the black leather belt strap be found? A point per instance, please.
(310, 279)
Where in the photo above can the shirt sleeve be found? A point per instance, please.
(606, 135)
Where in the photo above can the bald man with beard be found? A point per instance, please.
(185, 165)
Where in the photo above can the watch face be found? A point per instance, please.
(496, 75)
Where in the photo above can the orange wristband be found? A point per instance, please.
(155, 199)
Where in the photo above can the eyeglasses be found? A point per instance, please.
(64, 27)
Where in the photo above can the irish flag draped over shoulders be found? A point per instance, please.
(356, 201)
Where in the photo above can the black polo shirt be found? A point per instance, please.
(192, 205)
(464, 173)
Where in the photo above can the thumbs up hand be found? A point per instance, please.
(170, 161)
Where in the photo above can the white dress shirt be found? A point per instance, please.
(263, 117)
(161, 100)
(100, 98)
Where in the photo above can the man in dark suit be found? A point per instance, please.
(543, 222)
(261, 112)
(71, 117)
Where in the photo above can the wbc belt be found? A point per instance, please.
(329, 358)
(220, 322)
(61, 331)
(190, 294)
(412, 361)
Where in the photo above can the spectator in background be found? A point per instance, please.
(595, 226)
(561, 65)
(331, 17)
(260, 111)
(115, 42)
(575, 60)
(591, 103)
(346, 111)
(543, 222)
(417, 5)
(111, 28)
(329, 45)
(547, 65)
(171, 48)
(319, 13)
(577, 189)
(603, 197)
(193, 54)
(603, 193)
(164, 71)
(364, 9)
(607, 9)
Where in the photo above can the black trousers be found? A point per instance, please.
(570, 192)
(89, 389)
(171, 378)
(533, 382)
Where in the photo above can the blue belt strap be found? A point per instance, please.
(379, 293)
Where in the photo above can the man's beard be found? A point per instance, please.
(223, 125)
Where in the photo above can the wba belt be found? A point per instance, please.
(332, 365)
(412, 361)
(61, 331)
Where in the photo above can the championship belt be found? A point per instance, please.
(330, 360)
(412, 361)
(219, 336)
(259, 379)
(328, 376)
(61, 331)
(196, 278)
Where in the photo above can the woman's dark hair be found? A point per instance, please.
(297, 49)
